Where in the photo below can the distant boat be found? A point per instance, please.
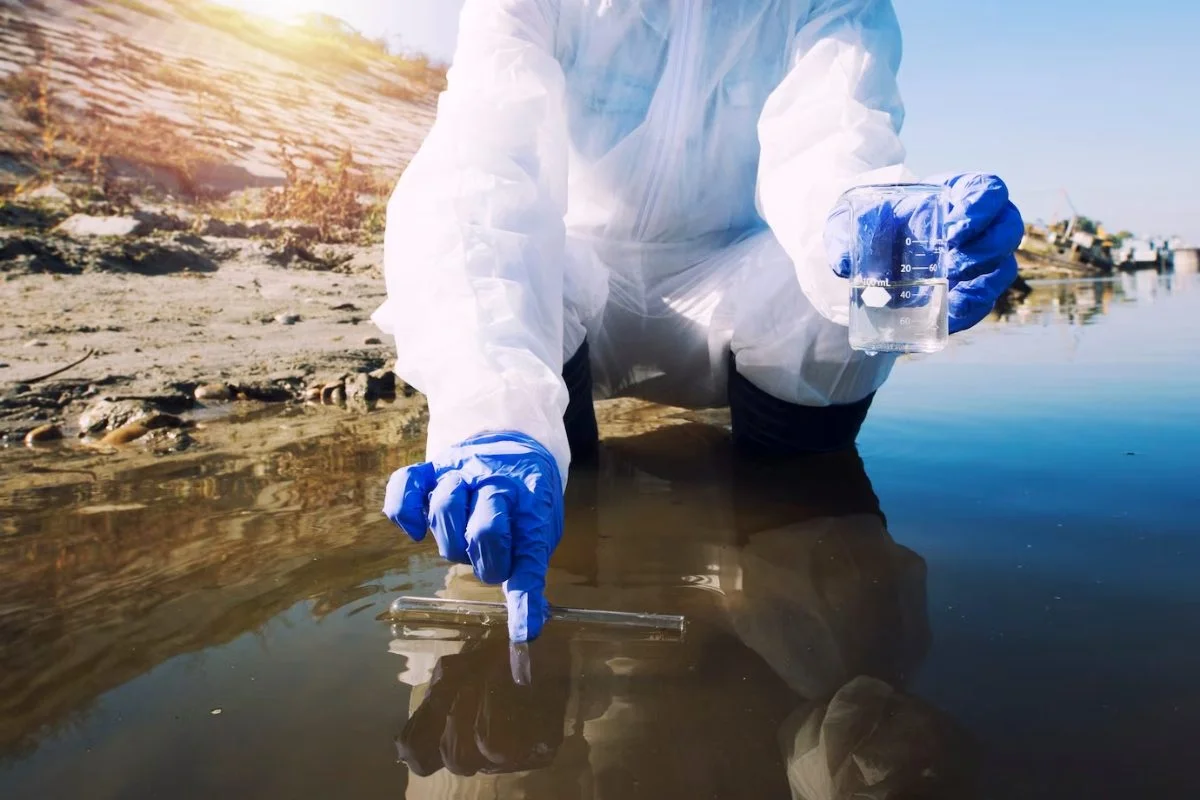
(1135, 254)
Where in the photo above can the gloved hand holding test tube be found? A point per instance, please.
(412, 617)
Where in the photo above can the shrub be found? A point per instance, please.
(328, 196)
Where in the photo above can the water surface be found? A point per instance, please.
(996, 596)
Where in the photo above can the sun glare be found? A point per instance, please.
(282, 10)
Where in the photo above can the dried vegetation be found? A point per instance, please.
(104, 141)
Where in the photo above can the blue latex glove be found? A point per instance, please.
(494, 502)
(983, 231)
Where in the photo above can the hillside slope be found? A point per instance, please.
(189, 196)
(194, 92)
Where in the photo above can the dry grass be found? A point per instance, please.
(105, 11)
(186, 81)
(124, 61)
(88, 143)
(419, 69)
(139, 7)
(30, 92)
(303, 44)
(329, 196)
(395, 90)
(27, 89)
(111, 8)
(318, 42)
(150, 141)
(107, 151)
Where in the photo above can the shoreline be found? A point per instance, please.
(242, 327)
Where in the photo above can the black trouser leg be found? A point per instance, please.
(767, 426)
(580, 419)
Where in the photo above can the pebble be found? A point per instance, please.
(222, 229)
(363, 389)
(264, 392)
(3, 365)
(327, 392)
(287, 319)
(85, 225)
(216, 712)
(133, 431)
(372, 340)
(313, 394)
(35, 343)
(214, 392)
(43, 433)
(111, 414)
(175, 441)
(49, 192)
(126, 434)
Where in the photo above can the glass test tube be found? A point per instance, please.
(454, 613)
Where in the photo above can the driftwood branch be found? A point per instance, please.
(57, 372)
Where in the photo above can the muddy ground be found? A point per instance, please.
(177, 319)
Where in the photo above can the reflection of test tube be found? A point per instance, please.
(420, 612)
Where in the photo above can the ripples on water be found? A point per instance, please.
(996, 600)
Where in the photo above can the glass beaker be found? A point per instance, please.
(898, 286)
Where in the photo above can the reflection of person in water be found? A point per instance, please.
(791, 681)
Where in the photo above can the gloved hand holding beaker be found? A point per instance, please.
(495, 502)
(900, 241)
(983, 231)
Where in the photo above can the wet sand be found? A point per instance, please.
(165, 335)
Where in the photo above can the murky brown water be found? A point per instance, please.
(1014, 619)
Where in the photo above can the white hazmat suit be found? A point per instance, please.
(653, 177)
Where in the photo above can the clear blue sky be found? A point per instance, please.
(1097, 97)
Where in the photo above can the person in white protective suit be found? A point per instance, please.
(637, 198)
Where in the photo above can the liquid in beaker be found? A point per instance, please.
(898, 287)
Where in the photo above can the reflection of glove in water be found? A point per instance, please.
(494, 502)
(476, 719)
(983, 231)
(872, 742)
